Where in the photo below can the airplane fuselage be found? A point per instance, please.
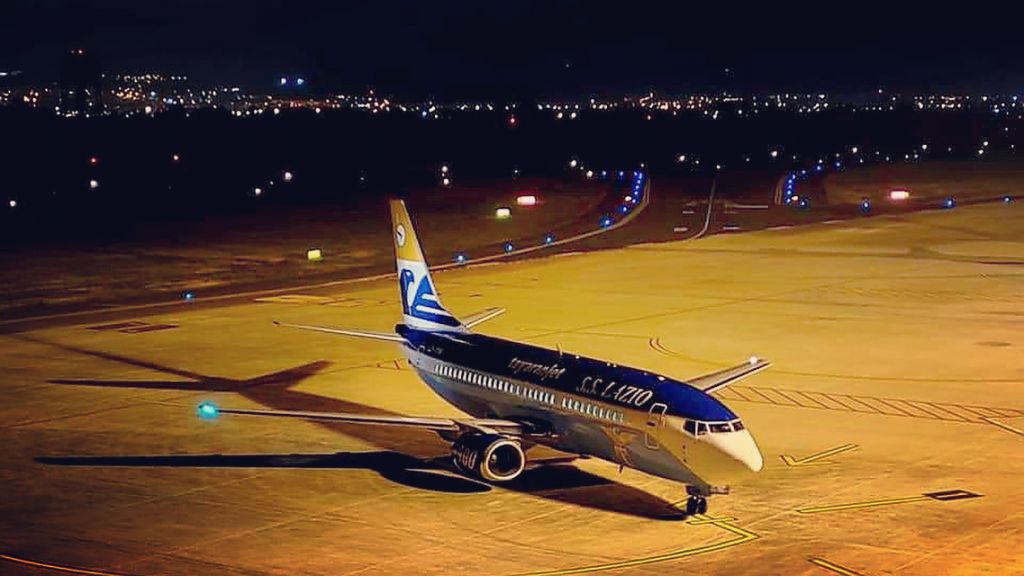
(580, 405)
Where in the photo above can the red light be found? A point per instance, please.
(512, 121)
(93, 160)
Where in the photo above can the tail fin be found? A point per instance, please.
(421, 308)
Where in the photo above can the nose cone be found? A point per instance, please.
(740, 447)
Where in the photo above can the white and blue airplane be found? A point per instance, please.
(518, 395)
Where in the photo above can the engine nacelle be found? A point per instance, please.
(493, 457)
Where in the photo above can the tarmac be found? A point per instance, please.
(892, 421)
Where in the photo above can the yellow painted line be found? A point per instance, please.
(868, 504)
(1004, 426)
(65, 569)
(704, 519)
(833, 567)
(792, 461)
(742, 536)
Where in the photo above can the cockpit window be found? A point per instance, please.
(717, 427)
(737, 425)
(690, 426)
(702, 428)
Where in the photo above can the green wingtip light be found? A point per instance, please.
(208, 410)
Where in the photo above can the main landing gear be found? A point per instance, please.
(696, 505)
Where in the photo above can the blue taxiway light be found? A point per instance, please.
(1007, 199)
(606, 221)
(624, 209)
(508, 247)
(549, 238)
(803, 203)
(208, 410)
(865, 206)
(949, 202)
(188, 296)
(460, 258)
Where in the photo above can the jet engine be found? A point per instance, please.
(492, 457)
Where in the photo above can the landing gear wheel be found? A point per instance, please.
(702, 505)
(691, 506)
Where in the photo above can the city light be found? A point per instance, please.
(13, 203)
(899, 194)
(94, 184)
(503, 213)
(287, 176)
(257, 191)
(314, 255)
(526, 200)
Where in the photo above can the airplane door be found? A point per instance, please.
(653, 429)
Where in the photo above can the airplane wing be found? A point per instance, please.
(481, 317)
(388, 336)
(208, 410)
(718, 380)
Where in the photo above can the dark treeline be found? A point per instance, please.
(343, 156)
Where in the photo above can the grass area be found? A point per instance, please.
(270, 246)
(928, 180)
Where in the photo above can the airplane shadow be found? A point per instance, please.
(394, 466)
(412, 458)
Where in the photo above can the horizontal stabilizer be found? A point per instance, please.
(481, 317)
(388, 336)
(717, 380)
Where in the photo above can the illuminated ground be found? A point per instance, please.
(897, 344)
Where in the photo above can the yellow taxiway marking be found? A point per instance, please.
(833, 567)
(815, 458)
(54, 567)
(868, 504)
(1004, 426)
(704, 519)
(742, 536)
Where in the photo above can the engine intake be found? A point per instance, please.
(493, 457)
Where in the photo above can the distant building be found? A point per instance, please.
(81, 86)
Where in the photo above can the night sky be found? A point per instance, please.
(521, 50)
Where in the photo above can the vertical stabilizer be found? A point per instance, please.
(421, 307)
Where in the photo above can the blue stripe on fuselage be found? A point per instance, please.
(568, 373)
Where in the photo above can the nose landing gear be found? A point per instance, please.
(696, 505)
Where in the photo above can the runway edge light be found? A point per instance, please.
(208, 410)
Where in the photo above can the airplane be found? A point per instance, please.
(518, 395)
